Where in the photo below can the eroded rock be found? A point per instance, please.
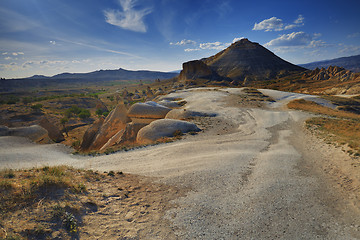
(164, 128)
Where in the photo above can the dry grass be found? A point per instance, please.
(341, 131)
(336, 126)
(66, 203)
(313, 107)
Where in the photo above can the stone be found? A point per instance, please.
(90, 134)
(124, 136)
(148, 110)
(113, 123)
(35, 133)
(163, 128)
(53, 131)
(196, 69)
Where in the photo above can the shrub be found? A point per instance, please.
(84, 114)
(37, 106)
(99, 112)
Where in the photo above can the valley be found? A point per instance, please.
(240, 145)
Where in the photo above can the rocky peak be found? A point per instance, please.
(243, 60)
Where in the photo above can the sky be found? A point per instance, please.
(48, 37)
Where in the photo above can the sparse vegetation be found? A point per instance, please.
(77, 111)
(101, 112)
(336, 126)
(55, 202)
(37, 106)
(341, 131)
(313, 107)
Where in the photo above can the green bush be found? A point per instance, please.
(84, 114)
(37, 106)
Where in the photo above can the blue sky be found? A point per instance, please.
(53, 36)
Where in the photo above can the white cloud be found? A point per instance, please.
(191, 49)
(17, 53)
(349, 49)
(296, 41)
(7, 58)
(237, 39)
(271, 24)
(52, 42)
(130, 18)
(299, 20)
(317, 35)
(291, 39)
(276, 24)
(317, 44)
(184, 42)
(214, 45)
(4, 53)
(43, 63)
(354, 35)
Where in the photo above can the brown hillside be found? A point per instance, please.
(241, 63)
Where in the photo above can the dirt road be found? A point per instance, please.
(252, 173)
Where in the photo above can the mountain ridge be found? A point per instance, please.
(79, 79)
(351, 63)
(110, 74)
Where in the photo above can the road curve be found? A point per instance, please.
(249, 172)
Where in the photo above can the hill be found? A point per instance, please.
(118, 74)
(351, 63)
(242, 63)
(81, 79)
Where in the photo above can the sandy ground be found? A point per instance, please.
(253, 172)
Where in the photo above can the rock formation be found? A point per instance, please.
(243, 60)
(124, 136)
(91, 134)
(35, 133)
(112, 124)
(147, 112)
(197, 69)
(54, 132)
(332, 72)
(164, 128)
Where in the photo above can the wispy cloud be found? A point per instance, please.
(129, 18)
(349, 49)
(237, 39)
(276, 24)
(296, 40)
(183, 42)
(291, 39)
(101, 48)
(353, 35)
(191, 49)
(214, 45)
(211, 45)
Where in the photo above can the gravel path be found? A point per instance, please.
(247, 172)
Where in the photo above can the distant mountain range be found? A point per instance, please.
(110, 75)
(350, 63)
(81, 79)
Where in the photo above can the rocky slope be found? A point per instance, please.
(352, 63)
(241, 63)
(333, 80)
